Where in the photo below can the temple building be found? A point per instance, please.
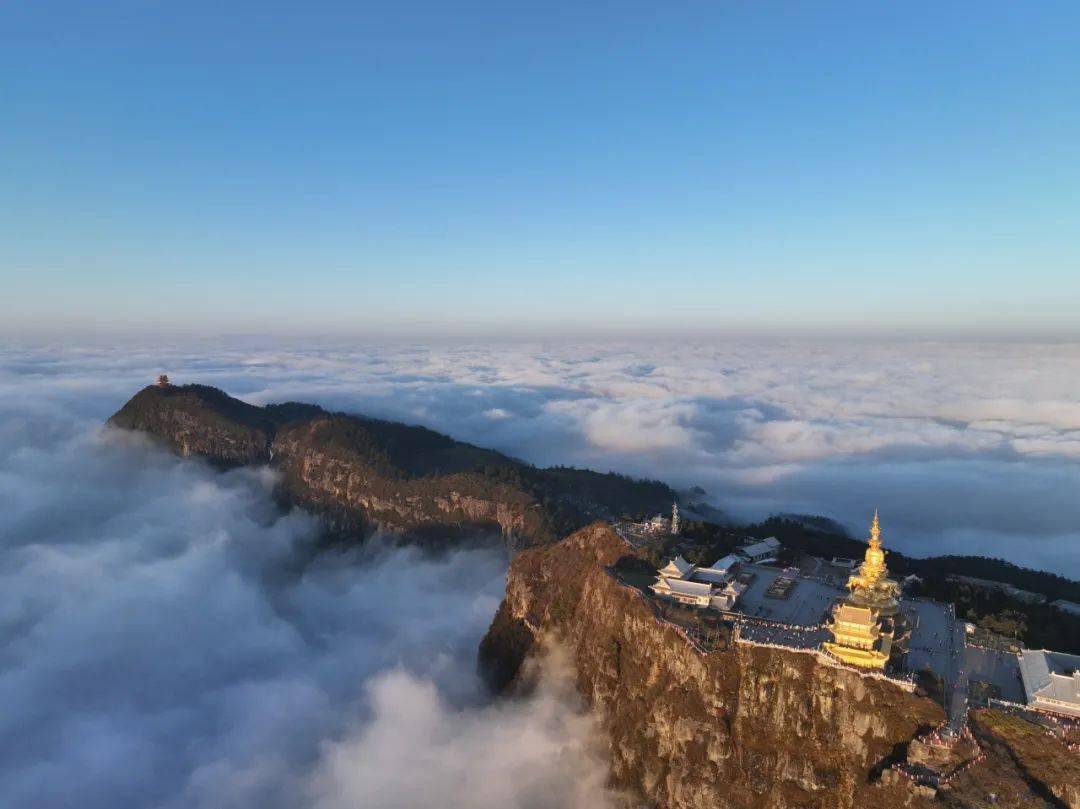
(677, 568)
(705, 587)
(1051, 681)
(861, 624)
(760, 551)
(721, 571)
(691, 593)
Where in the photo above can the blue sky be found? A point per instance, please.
(560, 166)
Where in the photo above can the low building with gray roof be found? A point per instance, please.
(1051, 681)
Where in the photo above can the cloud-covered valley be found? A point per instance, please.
(169, 639)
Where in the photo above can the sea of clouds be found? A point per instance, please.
(965, 447)
(168, 639)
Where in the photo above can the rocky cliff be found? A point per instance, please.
(325, 472)
(366, 474)
(746, 727)
(199, 420)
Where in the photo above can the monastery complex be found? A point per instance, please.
(865, 623)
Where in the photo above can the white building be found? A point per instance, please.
(725, 599)
(720, 571)
(693, 593)
(703, 587)
(1051, 681)
(677, 568)
(700, 594)
(1070, 607)
(765, 549)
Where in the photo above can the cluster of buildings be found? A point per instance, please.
(715, 586)
(661, 524)
(696, 586)
(1070, 607)
(866, 623)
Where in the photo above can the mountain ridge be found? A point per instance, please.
(363, 474)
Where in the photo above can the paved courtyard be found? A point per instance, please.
(807, 604)
(938, 643)
(824, 569)
(996, 667)
(783, 636)
(930, 644)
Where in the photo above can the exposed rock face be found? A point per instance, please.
(749, 727)
(366, 474)
(1031, 767)
(331, 478)
(202, 421)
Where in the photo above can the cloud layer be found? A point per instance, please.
(965, 447)
(168, 640)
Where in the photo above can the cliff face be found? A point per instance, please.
(365, 474)
(748, 727)
(1031, 768)
(329, 477)
(201, 421)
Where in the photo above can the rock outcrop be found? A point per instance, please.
(330, 476)
(1030, 767)
(746, 727)
(201, 421)
(365, 475)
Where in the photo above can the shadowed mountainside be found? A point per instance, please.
(364, 474)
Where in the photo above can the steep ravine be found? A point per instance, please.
(746, 728)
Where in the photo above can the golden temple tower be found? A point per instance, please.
(861, 624)
(871, 586)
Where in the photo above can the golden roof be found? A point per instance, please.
(871, 585)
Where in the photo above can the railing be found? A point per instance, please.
(936, 739)
(905, 681)
(902, 681)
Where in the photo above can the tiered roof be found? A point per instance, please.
(677, 568)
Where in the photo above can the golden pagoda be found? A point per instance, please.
(862, 635)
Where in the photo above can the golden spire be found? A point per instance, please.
(872, 570)
(860, 637)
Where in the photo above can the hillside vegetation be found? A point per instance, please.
(366, 473)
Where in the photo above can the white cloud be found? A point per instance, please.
(167, 640)
(629, 425)
(417, 751)
(754, 422)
